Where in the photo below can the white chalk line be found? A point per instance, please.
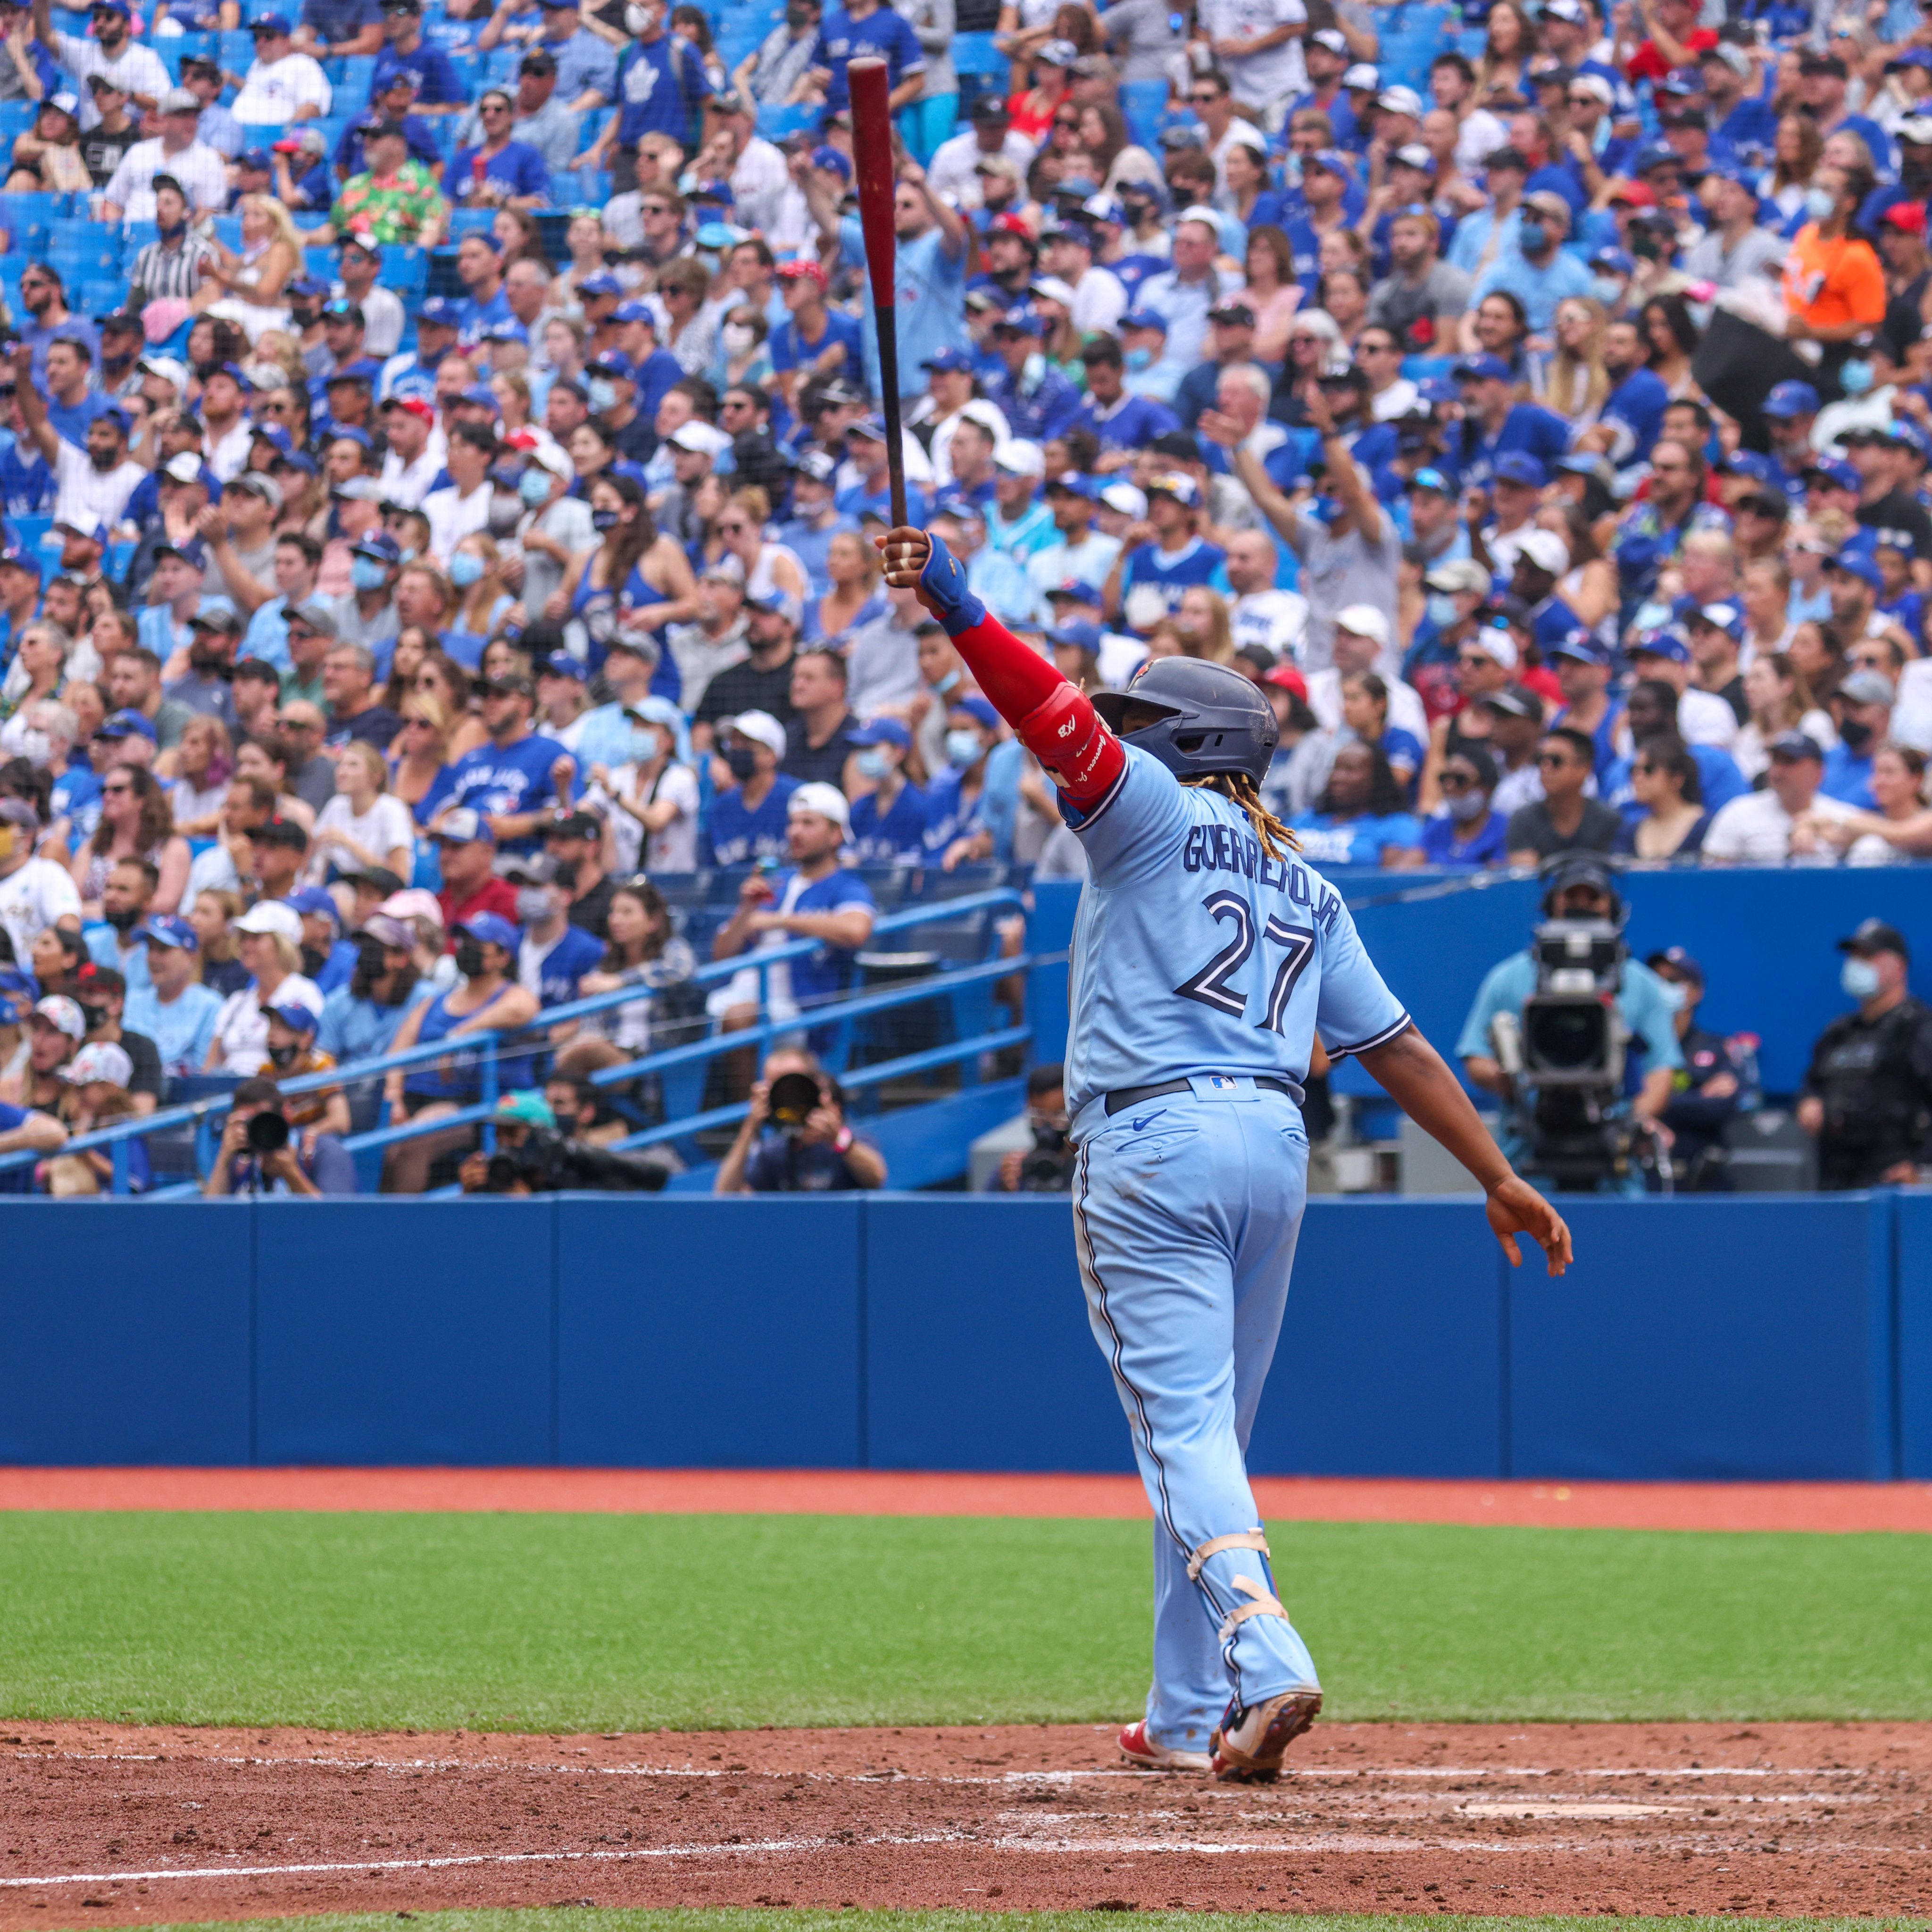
(1112, 1847)
(1290, 1773)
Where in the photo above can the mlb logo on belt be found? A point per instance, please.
(1221, 1081)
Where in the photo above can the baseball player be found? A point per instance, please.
(1206, 957)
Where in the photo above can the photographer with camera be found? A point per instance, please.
(795, 1140)
(258, 1155)
(1047, 1166)
(1542, 1037)
(533, 1157)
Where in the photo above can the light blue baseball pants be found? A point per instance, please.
(1186, 1212)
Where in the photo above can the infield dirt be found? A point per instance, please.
(106, 1824)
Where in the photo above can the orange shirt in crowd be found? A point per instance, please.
(1827, 284)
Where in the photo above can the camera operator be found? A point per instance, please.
(532, 1157)
(1047, 1167)
(1704, 1098)
(1573, 1141)
(258, 1155)
(1868, 1094)
(795, 1140)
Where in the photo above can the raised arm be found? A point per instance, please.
(1051, 717)
(34, 407)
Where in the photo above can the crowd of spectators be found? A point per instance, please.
(1541, 420)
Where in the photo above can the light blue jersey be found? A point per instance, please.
(1194, 952)
(1198, 957)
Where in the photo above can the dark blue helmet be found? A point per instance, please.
(1217, 720)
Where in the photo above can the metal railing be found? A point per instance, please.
(490, 1047)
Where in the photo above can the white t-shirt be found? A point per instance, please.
(1406, 712)
(38, 895)
(1756, 829)
(1256, 79)
(1274, 619)
(453, 516)
(673, 849)
(240, 1032)
(385, 825)
(85, 491)
(271, 91)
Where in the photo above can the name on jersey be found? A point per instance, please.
(1220, 848)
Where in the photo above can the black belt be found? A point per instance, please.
(1124, 1097)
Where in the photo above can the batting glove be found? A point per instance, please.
(943, 584)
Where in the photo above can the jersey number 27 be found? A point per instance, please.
(1209, 986)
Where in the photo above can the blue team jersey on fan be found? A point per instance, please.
(500, 781)
(1171, 573)
(897, 839)
(737, 836)
(1194, 952)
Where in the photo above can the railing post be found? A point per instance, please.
(490, 1095)
(120, 1166)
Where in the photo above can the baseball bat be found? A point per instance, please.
(872, 153)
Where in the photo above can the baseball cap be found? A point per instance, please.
(317, 616)
(165, 929)
(1518, 465)
(1669, 643)
(1482, 369)
(1364, 620)
(1081, 636)
(978, 708)
(574, 825)
(1791, 399)
(313, 902)
(1125, 497)
(955, 360)
(191, 551)
(1867, 687)
(63, 1015)
(1795, 745)
(1546, 550)
(1856, 563)
(389, 930)
(1837, 474)
(1875, 935)
(761, 727)
(1581, 646)
(379, 546)
(1144, 318)
(1173, 484)
(296, 1014)
(1679, 962)
(827, 800)
(1728, 618)
(881, 731)
(464, 826)
(492, 928)
(279, 831)
(215, 613)
(1513, 701)
(1020, 457)
(1460, 574)
(102, 1059)
(128, 725)
(1074, 590)
(272, 915)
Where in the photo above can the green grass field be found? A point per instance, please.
(538, 1920)
(608, 1623)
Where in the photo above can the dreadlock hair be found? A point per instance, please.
(1238, 789)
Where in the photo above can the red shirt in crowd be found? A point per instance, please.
(498, 895)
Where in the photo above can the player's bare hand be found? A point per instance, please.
(1514, 1207)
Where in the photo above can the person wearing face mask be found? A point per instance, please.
(556, 526)
(1867, 1093)
(293, 1053)
(485, 998)
(959, 827)
(1467, 832)
(660, 85)
(1632, 417)
(554, 955)
(612, 382)
(652, 798)
(1540, 271)
(1833, 281)
(359, 1020)
(1862, 709)
(748, 814)
(102, 992)
(890, 816)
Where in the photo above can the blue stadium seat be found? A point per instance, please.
(358, 70)
(975, 53)
(320, 262)
(471, 221)
(405, 269)
(237, 51)
(30, 530)
(776, 121)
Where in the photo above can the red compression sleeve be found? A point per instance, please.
(1052, 717)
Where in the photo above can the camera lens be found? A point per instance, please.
(268, 1133)
(1567, 1038)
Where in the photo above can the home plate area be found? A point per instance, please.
(104, 1824)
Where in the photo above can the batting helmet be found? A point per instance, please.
(1215, 719)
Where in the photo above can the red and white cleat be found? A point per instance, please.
(1140, 1750)
(1250, 1744)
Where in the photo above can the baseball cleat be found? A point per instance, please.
(1140, 1750)
(1250, 1743)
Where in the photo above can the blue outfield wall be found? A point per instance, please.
(1766, 1337)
